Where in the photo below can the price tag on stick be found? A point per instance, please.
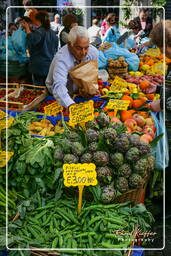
(79, 175)
(81, 113)
(53, 109)
(118, 105)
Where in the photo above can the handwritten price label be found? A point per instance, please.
(2, 114)
(83, 112)
(6, 123)
(53, 109)
(5, 157)
(79, 174)
(118, 104)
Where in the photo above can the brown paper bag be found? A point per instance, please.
(85, 76)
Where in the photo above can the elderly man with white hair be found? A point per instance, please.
(76, 51)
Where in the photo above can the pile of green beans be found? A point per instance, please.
(57, 225)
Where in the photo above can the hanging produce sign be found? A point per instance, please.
(5, 157)
(118, 104)
(81, 113)
(53, 109)
(79, 175)
(2, 114)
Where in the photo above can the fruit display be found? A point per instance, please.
(3, 92)
(22, 98)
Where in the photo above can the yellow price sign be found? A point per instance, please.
(118, 104)
(81, 113)
(5, 157)
(6, 123)
(80, 175)
(2, 114)
(53, 109)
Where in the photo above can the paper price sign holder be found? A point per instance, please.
(5, 156)
(79, 175)
(118, 105)
(53, 109)
(81, 113)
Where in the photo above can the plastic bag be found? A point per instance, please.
(114, 52)
(19, 41)
(162, 148)
(103, 75)
(102, 60)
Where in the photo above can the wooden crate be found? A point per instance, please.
(20, 106)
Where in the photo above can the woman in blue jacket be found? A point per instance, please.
(42, 46)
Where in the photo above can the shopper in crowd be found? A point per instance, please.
(94, 30)
(56, 25)
(104, 27)
(11, 28)
(112, 33)
(137, 32)
(145, 21)
(30, 12)
(76, 51)
(42, 45)
(69, 21)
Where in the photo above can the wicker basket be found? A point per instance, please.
(136, 196)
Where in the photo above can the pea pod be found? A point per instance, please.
(90, 241)
(60, 241)
(38, 216)
(74, 243)
(107, 245)
(116, 221)
(71, 252)
(85, 234)
(94, 220)
(55, 242)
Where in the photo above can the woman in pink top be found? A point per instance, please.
(104, 27)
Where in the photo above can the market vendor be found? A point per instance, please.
(76, 51)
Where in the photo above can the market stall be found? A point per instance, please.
(78, 178)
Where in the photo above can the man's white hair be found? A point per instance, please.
(77, 31)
